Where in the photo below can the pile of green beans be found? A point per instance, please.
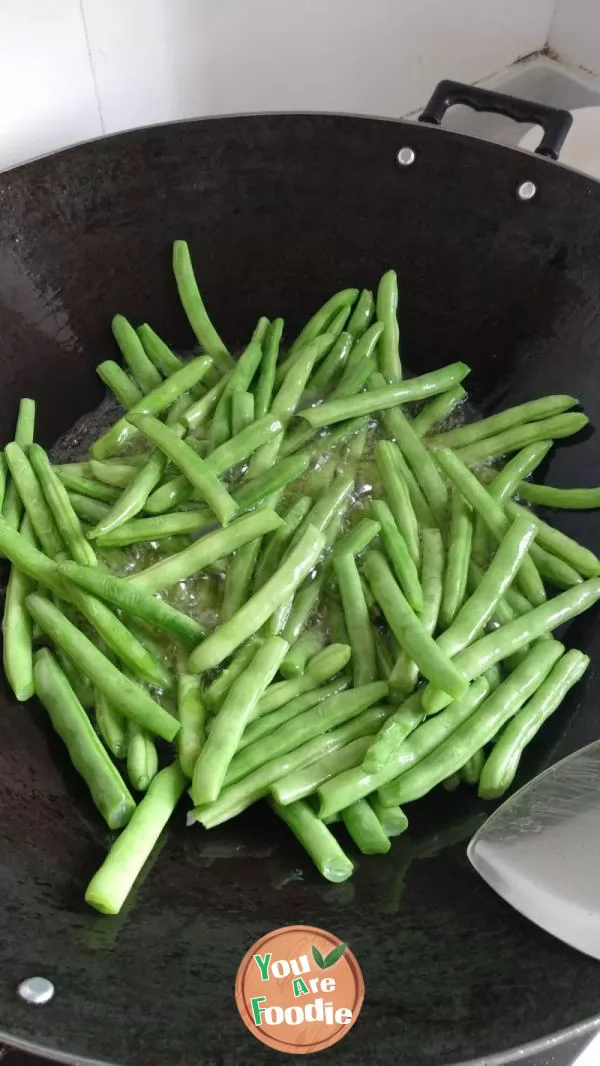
(291, 569)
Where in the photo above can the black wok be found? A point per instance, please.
(280, 211)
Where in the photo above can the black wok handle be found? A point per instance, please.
(555, 122)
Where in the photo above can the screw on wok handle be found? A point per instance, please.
(555, 122)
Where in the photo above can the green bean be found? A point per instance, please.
(420, 462)
(12, 505)
(206, 550)
(320, 320)
(238, 381)
(264, 726)
(320, 442)
(492, 586)
(120, 384)
(331, 365)
(87, 509)
(502, 763)
(304, 648)
(132, 600)
(287, 399)
(437, 410)
(61, 509)
(199, 413)
(397, 496)
(359, 538)
(316, 839)
(459, 554)
(502, 642)
(304, 782)
(548, 496)
(255, 612)
(20, 550)
(134, 497)
(3, 478)
(327, 714)
(493, 516)
(405, 672)
(261, 329)
(408, 631)
(386, 310)
(398, 553)
(483, 726)
(512, 439)
(393, 732)
(356, 615)
(17, 629)
(154, 403)
(505, 483)
(87, 486)
(420, 506)
(470, 772)
(328, 505)
(337, 324)
(216, 692)
(194, 308)
(486, 428)
(126, 695)
(393, 819)
(69, 720)
(322, 667)
(279, 541)
(242, 411)
(381, 399)
(580, 558)
(236, 797)
(142, 757)
(556, 571)
(239, 578)
(117, 475)
(111, 884)
(355, 784)
(158, 352)
(361, 316)
(205, 482)
(352, 378)
(33, 499)
(366, 830)
(159, 528)
(231, 719)
(191, 709)
(144, 373)
(111, 726)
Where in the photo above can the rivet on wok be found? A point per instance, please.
(36, 990)
(527, 190)
(405, 157)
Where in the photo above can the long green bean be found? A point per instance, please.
(143, 372)
(12, 506)
(229, 724)
(386, 309)
(361, 316)
(57, 498)
(193, 305)
(112, 883)
(548, 496)
(397, 551)
(111, 726)
(459, 554)
(159, 353)
(361, 356)
(405, 672)
(199, 413)
(316, 839)
(126, 695)
(482, 727)
(343, 790)
(33, 500)
(581, 559)
(142, 757)
(17, 628)
(322, 667)
(255, 612)
(398, 497)
(299, 654)
(119, 382)
(380, 399)
(502, 763)
(408, 631)
(239, 380)
(438, 410)
(320, 320)
(366, 830)
(393, 732)
(502, 642)
(356, 615)
(191, 711)
(264, 726)
(70, 721)
(519, 436)
(485, 428)
(304, 782)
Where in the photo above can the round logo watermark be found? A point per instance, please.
(299, 989)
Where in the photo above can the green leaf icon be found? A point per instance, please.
(332, 958)
(316, 954)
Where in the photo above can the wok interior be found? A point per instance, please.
(280, 211)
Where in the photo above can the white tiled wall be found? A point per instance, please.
(70, 69)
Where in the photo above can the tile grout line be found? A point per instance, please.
(93, 68)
